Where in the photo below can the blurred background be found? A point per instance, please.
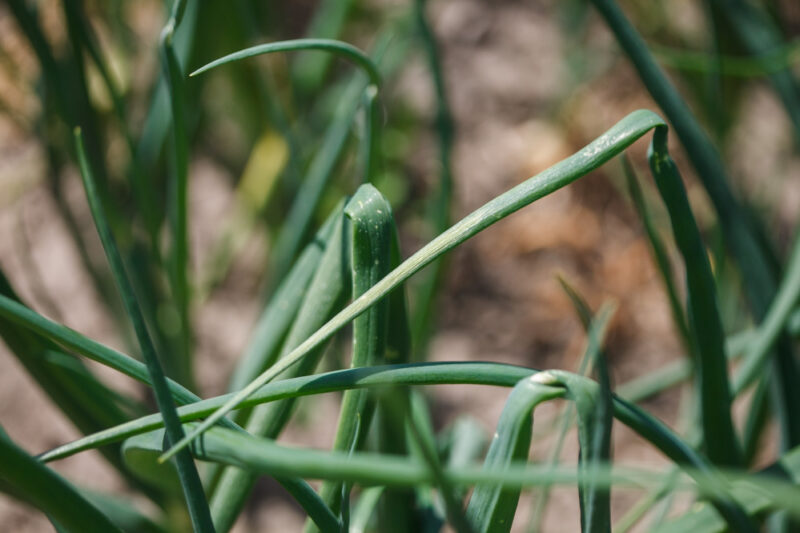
(526, 84)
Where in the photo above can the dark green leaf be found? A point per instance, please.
(27, 479)
(190, 480)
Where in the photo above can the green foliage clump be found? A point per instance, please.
(336, 261)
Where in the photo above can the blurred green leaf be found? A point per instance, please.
(27, 479)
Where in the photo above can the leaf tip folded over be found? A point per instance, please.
(492, 507)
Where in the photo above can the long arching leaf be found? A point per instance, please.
(592, 156)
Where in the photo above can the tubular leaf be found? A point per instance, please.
(648, 427)
(179, 363)
(345, 50)
(371, 230)
(190, 480)
(741, 235)
(277, 318)
(719, 437)
(369, 469)
(492, 507)
(323, 297)
(659, 254)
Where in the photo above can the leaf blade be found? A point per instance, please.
(593, 155)
(45, 489)
(492, 507)
(190, 480)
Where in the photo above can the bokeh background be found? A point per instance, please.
(528, 83)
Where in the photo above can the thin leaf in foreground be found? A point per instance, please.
(187, 472)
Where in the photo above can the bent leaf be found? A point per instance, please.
(492, 507)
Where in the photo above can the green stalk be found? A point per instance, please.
(370, 218)
(412, 408)
(370, 469)
(180, 364)
(393, 515)
(278, 316)
(593, 407)
(659, 255)
(440, 208)
(719, 436)
(596, 328)
(323, 297)
(190, 480)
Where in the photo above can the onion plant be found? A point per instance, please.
(336, 278)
